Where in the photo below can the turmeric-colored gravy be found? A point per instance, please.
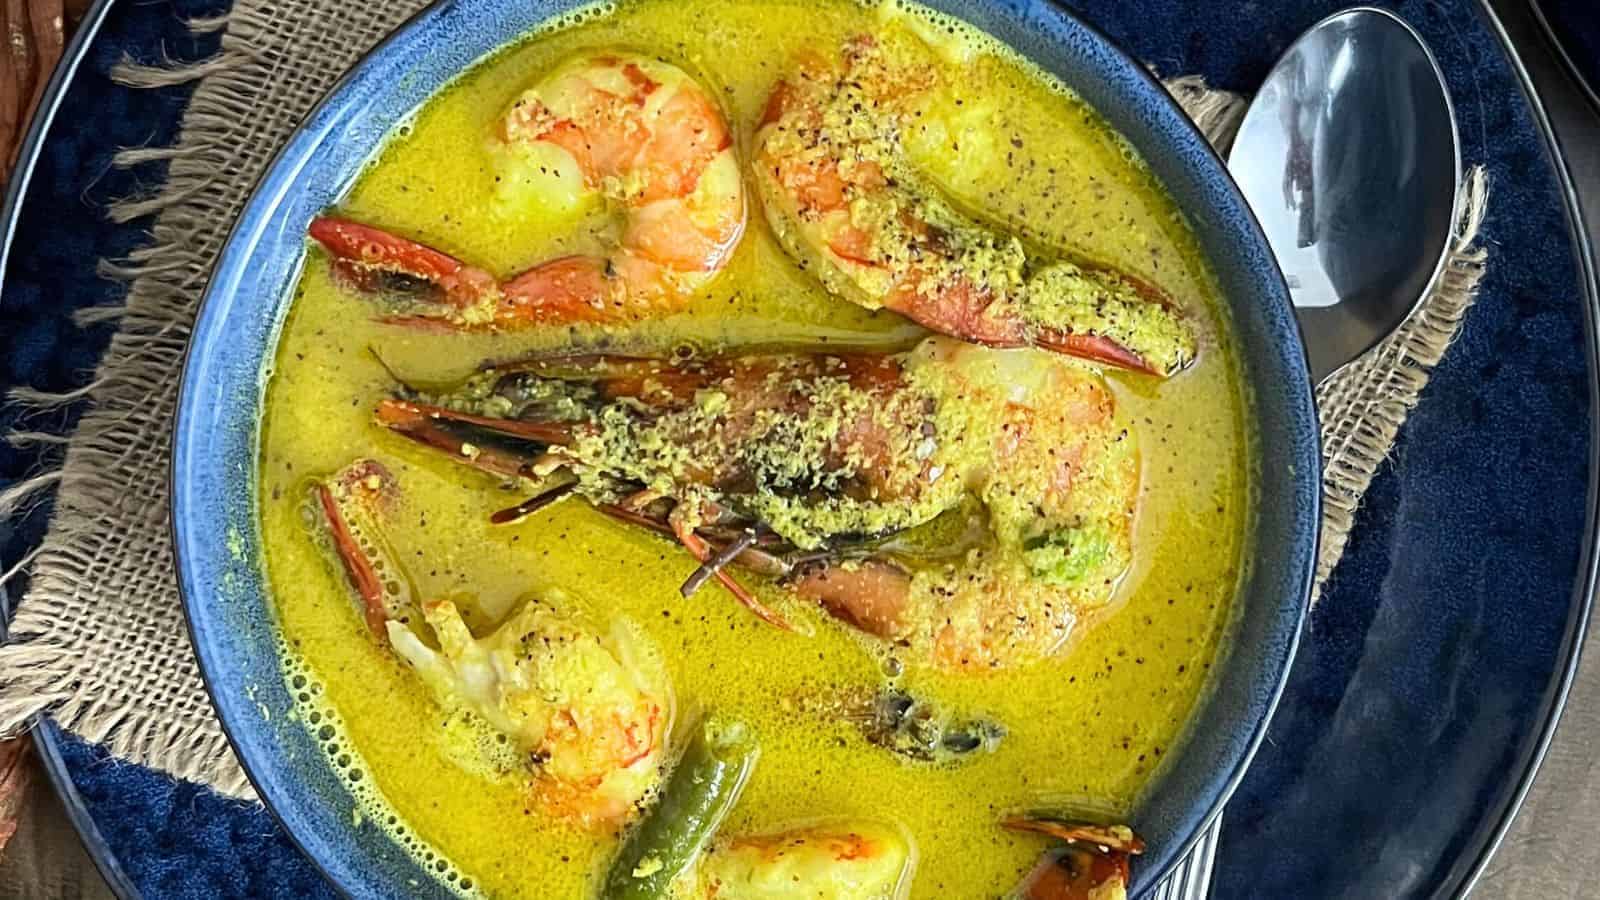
(1085, 730)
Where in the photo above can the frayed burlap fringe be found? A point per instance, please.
(1216, 113)
(1363, 405)
(99, 639)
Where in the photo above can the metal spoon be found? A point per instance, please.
(1349, 157)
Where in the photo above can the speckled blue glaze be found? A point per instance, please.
(1426, 676)
(218, 420)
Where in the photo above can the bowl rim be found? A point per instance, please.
(257, 205)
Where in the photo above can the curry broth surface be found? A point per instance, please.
(1087, 728)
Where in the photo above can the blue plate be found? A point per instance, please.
(1575, 28)
(218, 421)
(1428, 678)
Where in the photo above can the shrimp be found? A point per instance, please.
(640, 134)
(840, 191)
(590, 709)
(842, 860)
(675, 850)
(865, 860)
(965, 502)
(812, 445)
(1058, 484)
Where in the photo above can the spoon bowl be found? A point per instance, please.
(1350, 158)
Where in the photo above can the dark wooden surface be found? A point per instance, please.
(45, 859)
(35, 32)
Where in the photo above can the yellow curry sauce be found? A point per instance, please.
(1086, 729)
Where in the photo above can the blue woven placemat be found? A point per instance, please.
(62, 232)
(172, 839)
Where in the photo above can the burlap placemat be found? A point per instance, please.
(99, 638)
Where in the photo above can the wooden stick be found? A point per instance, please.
(16, 772)
(35, 32)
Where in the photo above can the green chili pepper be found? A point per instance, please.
(703, 788)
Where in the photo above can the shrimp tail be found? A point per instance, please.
(424, 285)
(569, 289)
(1093, 864)
(1122, 286)
(1095, 348)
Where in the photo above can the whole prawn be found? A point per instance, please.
(839, 190)
(641, 134)
(820, 469)
(589, 707)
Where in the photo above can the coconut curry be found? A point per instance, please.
(764, 449)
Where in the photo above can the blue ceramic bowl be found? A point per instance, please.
(219, 411)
